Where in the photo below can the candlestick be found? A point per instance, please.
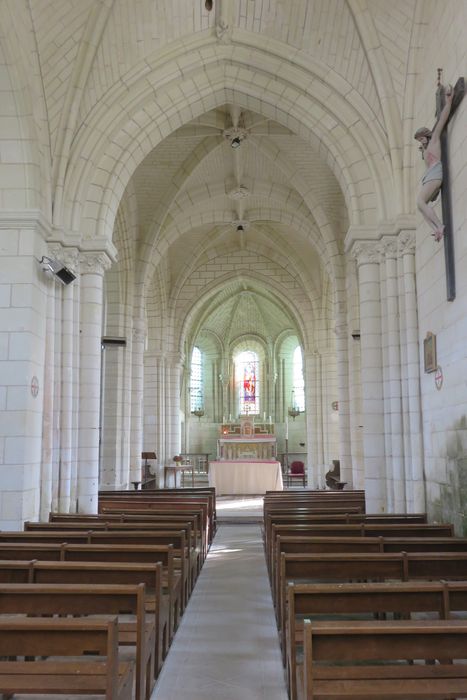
(287, 428)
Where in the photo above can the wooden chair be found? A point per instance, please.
(296, 472)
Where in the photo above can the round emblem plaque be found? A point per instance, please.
(439, 378)
(34, 386)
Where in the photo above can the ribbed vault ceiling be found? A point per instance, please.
(272, 178)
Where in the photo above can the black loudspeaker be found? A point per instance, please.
(58, 269)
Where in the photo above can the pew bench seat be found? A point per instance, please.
(388, 660)
(137, 632)
(108, 677)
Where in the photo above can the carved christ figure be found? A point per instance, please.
(430, 146)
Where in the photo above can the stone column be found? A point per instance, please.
(137, 390)
(161, 410)
(66, 367)
(407, 251)
(93, 266)
(394, 398)
(174, 369)
(368, 256)
(66, 413)
(355, 418)
(46, 490)
(345, 454)
(314, 419)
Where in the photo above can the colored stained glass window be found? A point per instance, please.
(196, 380)
(247, 371)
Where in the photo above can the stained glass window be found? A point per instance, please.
(298, 383)
(196, 380)
(247, 371)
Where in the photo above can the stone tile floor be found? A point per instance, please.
(227, 647)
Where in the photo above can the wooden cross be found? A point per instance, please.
(459, 90)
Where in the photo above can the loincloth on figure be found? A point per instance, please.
(434, 172)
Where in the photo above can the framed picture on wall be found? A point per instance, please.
(429, 352)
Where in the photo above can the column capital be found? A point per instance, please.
(94, 263)
(357, 234)
(68, 256)
(407, 243)
(366, 252)
(388, 247)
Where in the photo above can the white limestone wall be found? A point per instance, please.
(444, 410)
(23, 393)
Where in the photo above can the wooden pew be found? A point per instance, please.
(30, 550)
(129, 501)
(194, 520)
(162, 508)
(17, 571)
(177, 538)
(370, 599)
(369, 656)
(327, 568)
(82, 600)
(113, 573)
(108, 677)
(191, 552)
(344, 500)
(328, 545)
(354, 530)
(170, 605)
(206, 492)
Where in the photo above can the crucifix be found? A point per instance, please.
(446, 206)
(435, 153)
(459, 90)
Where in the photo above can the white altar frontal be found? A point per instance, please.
(246, 459)
(238, 477)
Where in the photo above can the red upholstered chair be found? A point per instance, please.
(296, 472)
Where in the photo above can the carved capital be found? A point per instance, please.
(366, 253)
(70, 257)
(388, 247)
(407, 243)
(94, 263)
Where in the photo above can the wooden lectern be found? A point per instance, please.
(146, 456)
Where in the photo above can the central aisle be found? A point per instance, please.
(227, 646)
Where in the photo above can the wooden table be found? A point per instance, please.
(172, 469)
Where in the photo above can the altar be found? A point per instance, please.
(246, 459)
(236, 477)
(247, 440)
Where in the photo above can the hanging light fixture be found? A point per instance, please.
(294, 410)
